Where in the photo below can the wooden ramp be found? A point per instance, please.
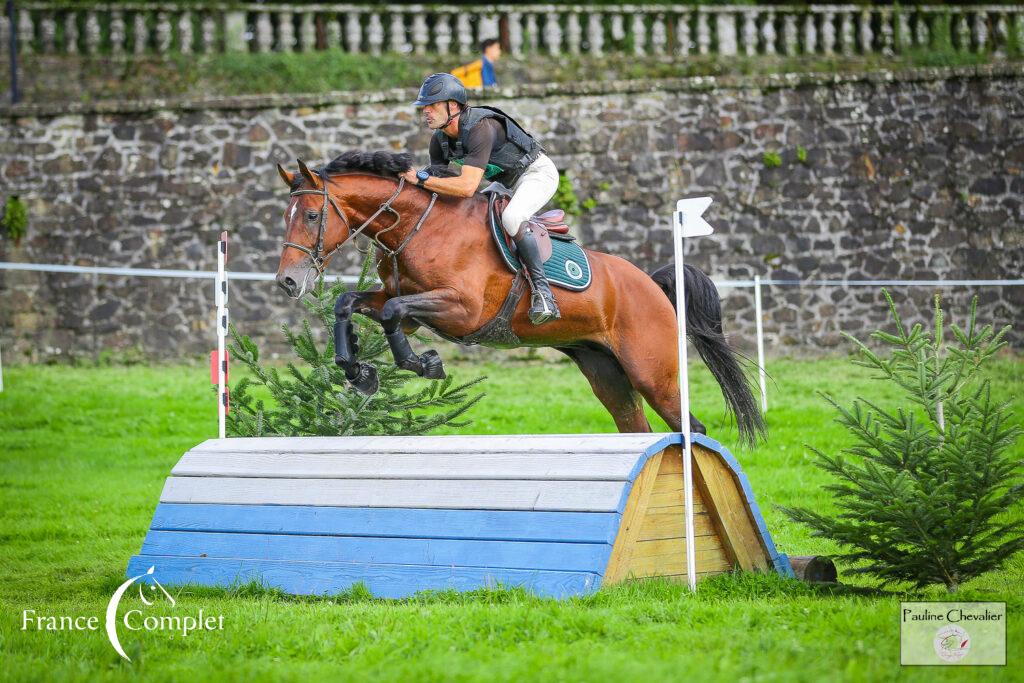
(560, 515)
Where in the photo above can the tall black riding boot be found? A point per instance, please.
(542, 304)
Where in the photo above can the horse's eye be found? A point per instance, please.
(312, 215)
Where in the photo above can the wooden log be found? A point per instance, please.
(814, 568)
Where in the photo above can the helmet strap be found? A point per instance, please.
(448, 110)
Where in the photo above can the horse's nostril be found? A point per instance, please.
(289, 283)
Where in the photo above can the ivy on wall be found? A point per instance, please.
(15, 219)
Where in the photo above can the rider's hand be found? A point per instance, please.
(410, 176)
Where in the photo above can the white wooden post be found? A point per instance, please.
(222, 329)
(759, 324)
(687, 222)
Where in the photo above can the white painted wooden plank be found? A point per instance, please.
(582, 496)
(518, 466)
(516, 443)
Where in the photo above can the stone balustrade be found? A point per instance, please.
(127, 28)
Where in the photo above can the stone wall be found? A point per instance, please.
(911, 175)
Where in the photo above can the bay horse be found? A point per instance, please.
(440, 269)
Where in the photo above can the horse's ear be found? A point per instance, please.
(287, 177)
(307, 174)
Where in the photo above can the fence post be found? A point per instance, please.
(760, 343)
(234, 32)
(221, 298)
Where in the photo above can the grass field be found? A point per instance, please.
(84, 453)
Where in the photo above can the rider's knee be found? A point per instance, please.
(511, 220)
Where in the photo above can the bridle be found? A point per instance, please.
(318, 258)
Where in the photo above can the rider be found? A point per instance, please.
(488, 143)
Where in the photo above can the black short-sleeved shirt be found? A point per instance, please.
(487, 136)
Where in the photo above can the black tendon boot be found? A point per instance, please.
(542, 304)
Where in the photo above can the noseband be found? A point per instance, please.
(317, 256)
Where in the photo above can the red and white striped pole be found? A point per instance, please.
(219, 358)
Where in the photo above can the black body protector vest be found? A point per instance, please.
(506, 162)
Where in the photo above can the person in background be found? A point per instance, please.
(480, 73)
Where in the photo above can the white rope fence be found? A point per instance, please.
(152, 272)
(757, 283)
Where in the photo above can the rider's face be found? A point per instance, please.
(434, 115)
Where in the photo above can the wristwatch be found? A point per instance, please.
(421, 177)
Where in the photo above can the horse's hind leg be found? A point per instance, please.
(651, 363)
(611, 386)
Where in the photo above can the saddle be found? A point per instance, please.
(546, 226)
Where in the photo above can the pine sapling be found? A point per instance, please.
(928, 492)
(310, 396)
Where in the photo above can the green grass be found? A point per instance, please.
(84, 453)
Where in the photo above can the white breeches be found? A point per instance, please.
(530, 193)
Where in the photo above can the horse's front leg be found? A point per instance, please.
(428, 305)
(362, 376)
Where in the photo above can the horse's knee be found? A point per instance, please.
(343, 304)
(391, 315)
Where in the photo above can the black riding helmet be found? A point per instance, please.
(441, 88)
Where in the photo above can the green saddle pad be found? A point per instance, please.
(568, 267)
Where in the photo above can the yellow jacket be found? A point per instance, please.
(470, 74)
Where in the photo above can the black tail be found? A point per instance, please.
(704, 328)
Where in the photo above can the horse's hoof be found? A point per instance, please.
(412, 364)
(697, 427)
(432, 366)
(365, 381)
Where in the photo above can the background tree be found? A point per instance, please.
(313, 399)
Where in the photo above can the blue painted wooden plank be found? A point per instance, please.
(779, 560)
(574, 527)
(383, 580)
(590, 557)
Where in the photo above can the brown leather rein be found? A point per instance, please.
(318, 258)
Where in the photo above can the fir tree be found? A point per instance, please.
(313, 399)
(927, 491)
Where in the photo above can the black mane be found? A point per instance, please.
(386, 164)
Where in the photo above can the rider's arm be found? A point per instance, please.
(463, 185)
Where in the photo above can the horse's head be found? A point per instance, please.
(315, 227)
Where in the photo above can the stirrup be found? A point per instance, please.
(540, 312)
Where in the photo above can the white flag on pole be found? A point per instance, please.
(687, 221)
